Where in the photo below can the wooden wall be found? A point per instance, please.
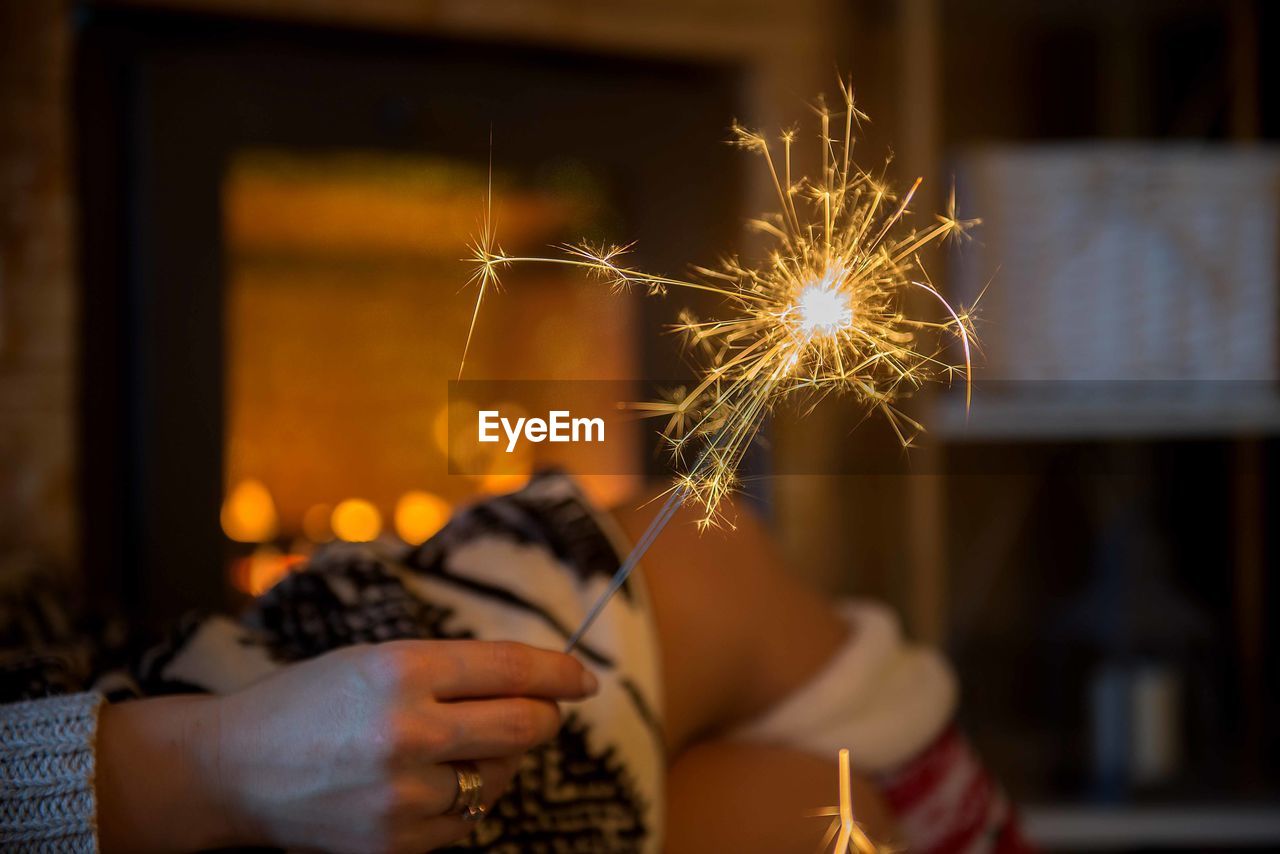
(37, 286)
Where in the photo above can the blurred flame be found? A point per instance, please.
(262, 570)
(505, 472)
(419, 515)
(356, 521)
(315, 523)
(499, 483)
(249, 514)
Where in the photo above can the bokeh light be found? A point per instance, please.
(419, 515)
(249, 514)
(356, 521)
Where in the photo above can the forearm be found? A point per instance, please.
(157, 780)
(732, 796)
(758, 635)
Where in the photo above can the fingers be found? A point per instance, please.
(476, 669)
(497, 774)
(489, 729)
(440, 831)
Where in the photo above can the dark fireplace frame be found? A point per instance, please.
(162, 99)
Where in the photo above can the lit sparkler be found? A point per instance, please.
(826, 313)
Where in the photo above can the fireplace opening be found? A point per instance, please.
(344, 311)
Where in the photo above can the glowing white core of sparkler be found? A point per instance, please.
(823, 308)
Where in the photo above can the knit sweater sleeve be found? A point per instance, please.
(46, 774)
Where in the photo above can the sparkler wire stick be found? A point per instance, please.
(673, 503)
(847, 826)
(844, 828)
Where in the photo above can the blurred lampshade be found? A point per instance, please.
(249, 514)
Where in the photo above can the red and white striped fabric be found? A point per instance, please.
(946, 801)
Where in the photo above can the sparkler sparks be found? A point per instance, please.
(823, 308)
(827, 312)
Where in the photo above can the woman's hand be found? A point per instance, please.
(346, 752)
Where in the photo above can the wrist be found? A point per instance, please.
(221, 823)
(158, 783)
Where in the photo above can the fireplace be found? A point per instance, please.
(272, 218)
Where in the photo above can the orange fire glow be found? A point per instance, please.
(262, 570)
(337, 264)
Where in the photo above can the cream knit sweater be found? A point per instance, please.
(46, 774)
